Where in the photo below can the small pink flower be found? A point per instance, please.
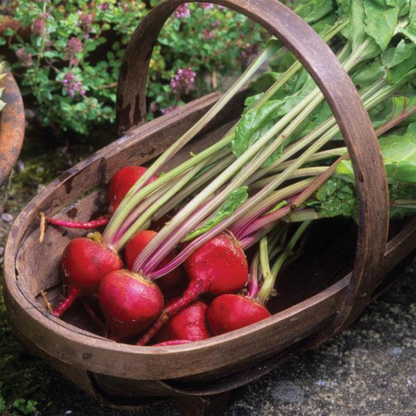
(207, 34)
(183, 80)
(182, 12)
(85, 20)
(104, 6)
(39, 26)
(74, 47)
(215, 24)
(169, 109)
(72, 86)
(24, 57)
(207, 6)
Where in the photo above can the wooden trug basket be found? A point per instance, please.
(12, 126)
(315, 304)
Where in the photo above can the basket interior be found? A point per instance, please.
(327, 255)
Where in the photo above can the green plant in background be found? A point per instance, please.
(69, 64)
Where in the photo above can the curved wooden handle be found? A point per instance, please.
(346, 106)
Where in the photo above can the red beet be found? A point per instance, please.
(174, 283)
(230, 312)
(129, 302)
(85, 262)
(119, 185)
(219, 266)
(122, 182)
(189, 324)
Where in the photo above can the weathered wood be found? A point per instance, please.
(12, 126)
(125, 375)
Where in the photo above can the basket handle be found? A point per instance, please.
(346, 105)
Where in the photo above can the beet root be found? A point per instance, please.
(172, 284)
(189, 324)
(122, 181)
(218, 266)
(230, 312)
(85, 262)
(220, 261)
(129, 302)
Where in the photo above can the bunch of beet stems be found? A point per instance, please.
(246, 223)
(243, 222)
(264, 270)
(144, 203)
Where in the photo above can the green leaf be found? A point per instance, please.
(381, 18)
(353, 10)
(401, 61)
(399, 155)
(234, 200)
(256, 122)
(334, 198)
(313, 10)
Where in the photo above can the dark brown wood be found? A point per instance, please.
(130, 376)
(344, 101)
(12, 126)
(202, 405)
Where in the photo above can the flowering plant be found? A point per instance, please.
(70, 63)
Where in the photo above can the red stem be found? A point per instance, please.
(67, 302)
(99, 222)
(195, 289)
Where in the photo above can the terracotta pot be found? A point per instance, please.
(12, 126)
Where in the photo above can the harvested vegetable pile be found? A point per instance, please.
(281, 167)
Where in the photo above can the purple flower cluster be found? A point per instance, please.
(207, 34)
(39, 27)
(71, 85)
(74, 46)
(24, 57)
(169, 109)
(104, 6)
(207, 6)
(183, 80)
(85, 21)
(215, 24)
(182, 12)
(249, 53)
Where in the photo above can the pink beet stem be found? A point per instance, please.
(172, 342)
(66, 303)
(195, 289)
(92, 314)
(99, 222)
